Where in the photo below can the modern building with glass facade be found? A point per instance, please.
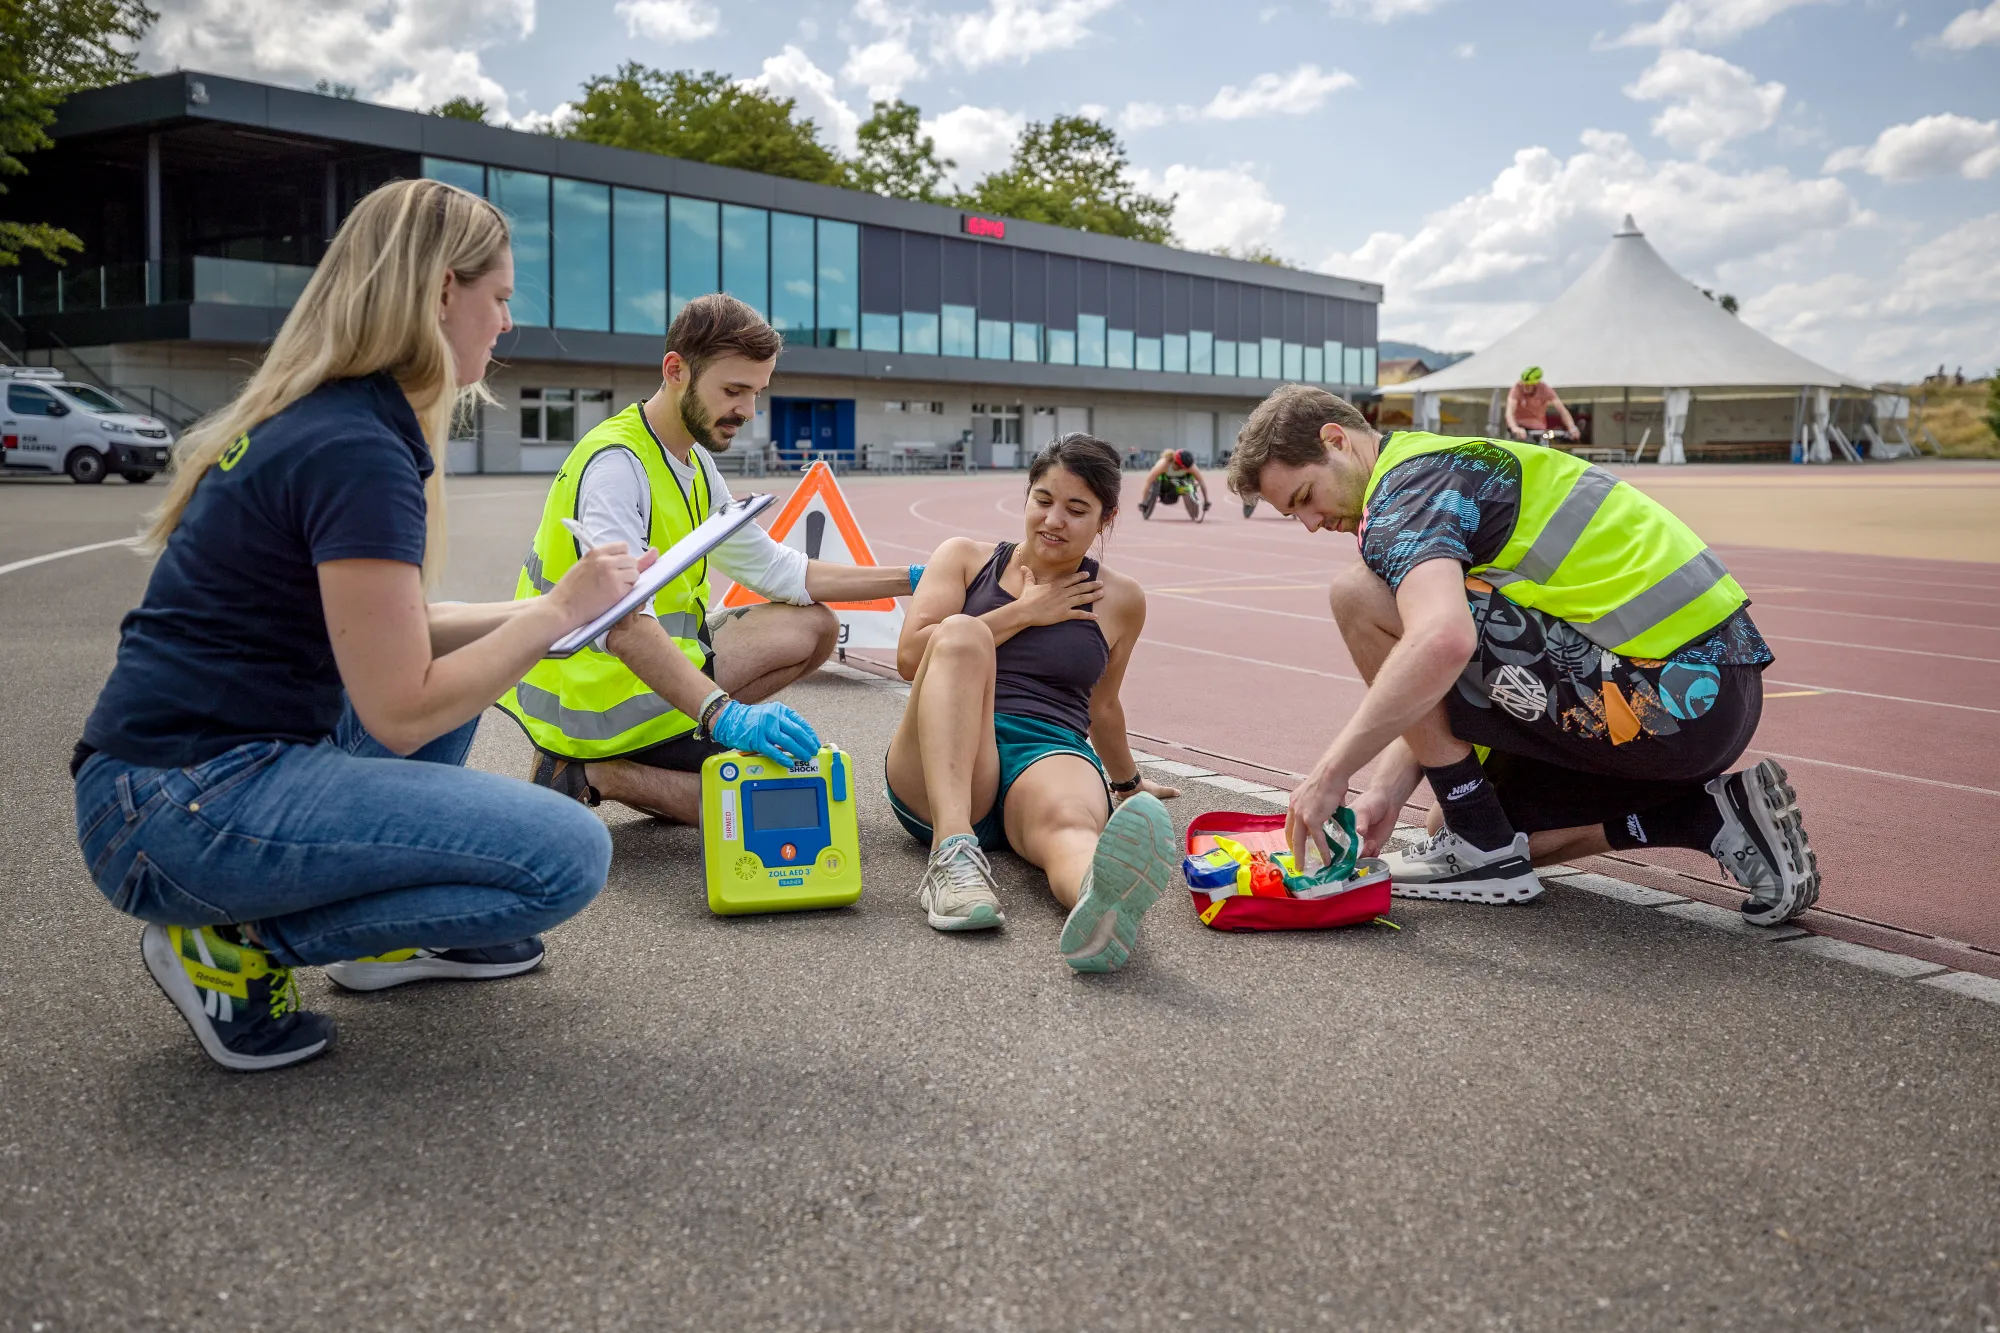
(204, 201)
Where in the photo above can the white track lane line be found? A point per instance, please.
(1890, 698)
(1870, 615)
(1880, 648)
(1876, 772)
(58, 555)
(1149, 641)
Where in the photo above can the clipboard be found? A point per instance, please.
(717, 528)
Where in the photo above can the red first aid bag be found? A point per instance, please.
(1368, 899)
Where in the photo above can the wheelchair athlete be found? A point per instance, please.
(1175, 478)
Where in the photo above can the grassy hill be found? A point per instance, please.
(1957, 416)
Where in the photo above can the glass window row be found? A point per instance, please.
(615, 260)
(607, 258)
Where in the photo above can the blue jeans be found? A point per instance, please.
(340, 849)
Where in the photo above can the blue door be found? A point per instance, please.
(808, 428)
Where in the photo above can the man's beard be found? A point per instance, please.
(701, 426)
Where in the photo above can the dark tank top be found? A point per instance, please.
(1045, 671)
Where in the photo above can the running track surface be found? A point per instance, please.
(1882, 703)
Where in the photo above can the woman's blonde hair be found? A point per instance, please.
(372, 304)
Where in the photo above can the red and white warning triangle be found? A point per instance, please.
(817, 521)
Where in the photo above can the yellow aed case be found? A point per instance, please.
(779, 839)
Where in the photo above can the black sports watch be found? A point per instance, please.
(1127, 787)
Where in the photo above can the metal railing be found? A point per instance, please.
(16, 342)
(202, 278)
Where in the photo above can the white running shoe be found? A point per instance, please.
(1763, 843)
(957, 892)
(1446, 866)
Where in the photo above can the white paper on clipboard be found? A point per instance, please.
(712, 532)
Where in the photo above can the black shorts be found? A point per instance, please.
(684, 753)
(1581, 736)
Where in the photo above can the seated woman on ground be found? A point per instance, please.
(1015, 653)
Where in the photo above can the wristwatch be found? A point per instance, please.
(1127, 787)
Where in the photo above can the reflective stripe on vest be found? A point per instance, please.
(585, 724)
(1565, 562)
(591, 705)
(680, 624)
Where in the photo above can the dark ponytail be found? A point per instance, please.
(1090, 460)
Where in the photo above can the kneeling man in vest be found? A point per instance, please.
(631, 718)
(1516, 599)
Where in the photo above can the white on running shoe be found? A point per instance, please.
(957, 892)
(1763, 843)
(1448, 867)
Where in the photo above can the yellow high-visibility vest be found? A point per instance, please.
(1593, 550)
(590, 705)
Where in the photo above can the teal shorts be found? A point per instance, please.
(1022, 741)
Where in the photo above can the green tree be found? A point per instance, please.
(1071, 172)
(1255, 254)
(1993, 404)
(703, 118)
(345, 92)
(462, 108)
(893, 156)
(48, 50)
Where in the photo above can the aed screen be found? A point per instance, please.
(783, 807)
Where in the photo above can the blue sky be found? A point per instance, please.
(1834, 163)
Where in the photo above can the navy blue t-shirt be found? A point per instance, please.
(230, 644)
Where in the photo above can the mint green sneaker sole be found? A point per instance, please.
(1132, 868)
(981, 917)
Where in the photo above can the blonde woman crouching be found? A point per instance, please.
(273, 776)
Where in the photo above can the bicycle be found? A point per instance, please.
(1181, 488)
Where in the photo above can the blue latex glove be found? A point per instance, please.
(770, 729)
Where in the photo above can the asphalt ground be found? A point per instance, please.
(1575, 1114)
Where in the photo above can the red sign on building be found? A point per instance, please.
(992, 228)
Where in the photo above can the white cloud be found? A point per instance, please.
(1302, 91)
(1146, 115)
(1941, 304)
(1465, 50)
(1016, 30)
(546, 122)
(1707, 21)
(1299, 93)
(1479, 266)
(669, 20)
(791, 73)
(1382, 11)
(884, 66)
(887, 64)
(1933, 146)
(1216, 206)
(1974, 27)
(1713, 101)
(400, 52)
(979, 138)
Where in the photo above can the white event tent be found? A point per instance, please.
(1631, 329)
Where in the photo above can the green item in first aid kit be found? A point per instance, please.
(1346, 846)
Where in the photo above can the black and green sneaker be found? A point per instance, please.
(244, 1008)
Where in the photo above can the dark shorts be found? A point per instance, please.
(1580, 736)
(1022, 741)
(684, 753)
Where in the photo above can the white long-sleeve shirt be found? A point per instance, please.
(615, 504)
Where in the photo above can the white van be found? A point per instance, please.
(51, 424)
